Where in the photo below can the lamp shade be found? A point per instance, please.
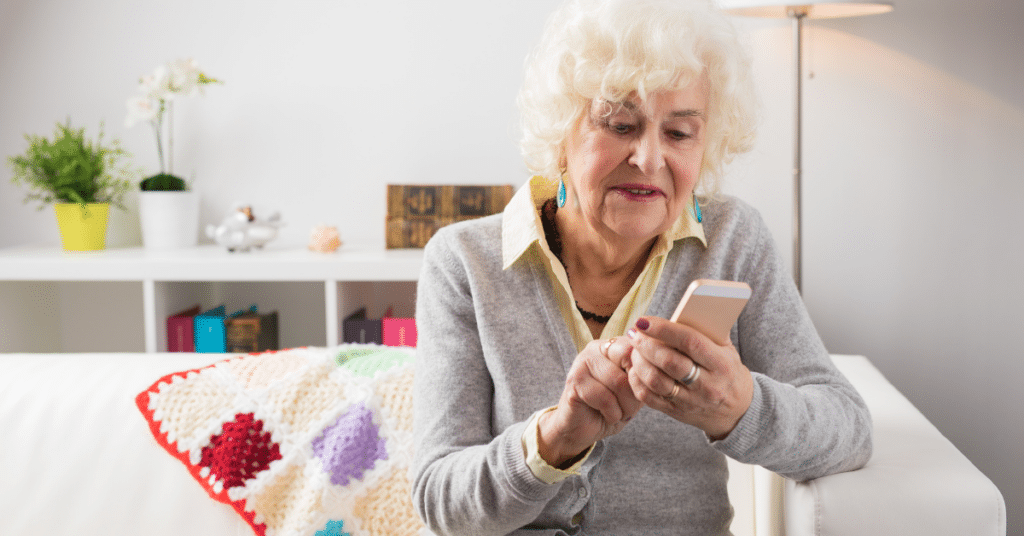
(821, 9)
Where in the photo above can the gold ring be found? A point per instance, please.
(675, 391)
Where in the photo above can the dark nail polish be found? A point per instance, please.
(642, 324)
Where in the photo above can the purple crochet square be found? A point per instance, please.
(350, 446)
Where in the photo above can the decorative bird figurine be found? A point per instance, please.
(241, 230)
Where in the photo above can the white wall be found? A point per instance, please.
(913, 189)
(914, 146)
(324, 102)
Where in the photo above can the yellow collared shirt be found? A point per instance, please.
(522, 236)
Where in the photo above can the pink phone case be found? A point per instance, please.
(712, 307)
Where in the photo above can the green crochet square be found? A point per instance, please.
(348, 354)
(368, 361)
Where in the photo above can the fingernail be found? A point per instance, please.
(632, 333)
(642, 324)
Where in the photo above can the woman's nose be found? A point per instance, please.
(646, 153)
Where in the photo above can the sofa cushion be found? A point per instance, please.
(300, 441)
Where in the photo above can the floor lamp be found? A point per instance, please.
(822, 9)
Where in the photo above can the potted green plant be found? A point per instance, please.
(168, 207)
(80, 177)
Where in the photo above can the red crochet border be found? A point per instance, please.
(142, 401)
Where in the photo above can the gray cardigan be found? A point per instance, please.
(493, 349)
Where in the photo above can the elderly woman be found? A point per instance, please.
(552, 396)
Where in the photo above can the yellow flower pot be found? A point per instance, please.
(82, 228)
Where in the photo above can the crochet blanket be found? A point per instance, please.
(307, 441)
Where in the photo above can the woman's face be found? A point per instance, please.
(633, 165)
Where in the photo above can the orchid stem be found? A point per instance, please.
(170, 137)
(157, 124)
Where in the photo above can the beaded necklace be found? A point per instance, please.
(555, 243)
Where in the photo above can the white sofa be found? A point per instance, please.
(76, 457)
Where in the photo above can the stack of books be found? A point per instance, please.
(247, 330)
(416, 212)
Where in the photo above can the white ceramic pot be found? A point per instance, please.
(170, 220)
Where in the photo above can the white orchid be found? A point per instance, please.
(185, 77)
(156, 85)
(158, 90)
(139, 109)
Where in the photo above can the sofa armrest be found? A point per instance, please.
(77, 457)
(916, 482)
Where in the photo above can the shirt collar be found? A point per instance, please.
(521, 226)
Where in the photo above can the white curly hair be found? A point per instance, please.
(611, 49)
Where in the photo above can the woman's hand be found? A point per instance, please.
(597, 402)
(712, 397)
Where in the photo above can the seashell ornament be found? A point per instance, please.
(324, 238)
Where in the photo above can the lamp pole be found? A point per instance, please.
(797, 13)
(822, 9)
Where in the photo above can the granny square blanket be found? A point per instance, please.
(303, 442)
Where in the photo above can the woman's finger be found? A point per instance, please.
(593, 394)
(651, 396)
(603, 385)
(617, 350)
(719, 390)
(654, 380)
(661, 334)
(607, 369)
(673, 362)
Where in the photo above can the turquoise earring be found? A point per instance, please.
(561, 193)
(696, 210)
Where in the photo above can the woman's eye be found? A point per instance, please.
(621, 128)
(678, 134)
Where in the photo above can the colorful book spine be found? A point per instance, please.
(181, 330)
(356, 328)
(398, 331)
(416, 212)
(210, 332)
(252, 332)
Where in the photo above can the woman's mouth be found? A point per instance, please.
(638, 192)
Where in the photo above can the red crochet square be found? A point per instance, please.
(240, 451)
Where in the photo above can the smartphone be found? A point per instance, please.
(712, 307)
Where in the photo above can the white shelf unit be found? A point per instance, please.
(176, 279)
